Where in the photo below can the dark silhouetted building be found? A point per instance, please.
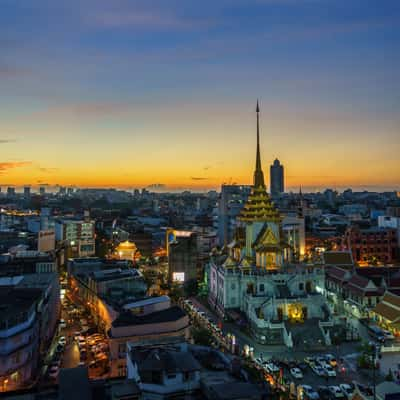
(182, 256)
(276, 179)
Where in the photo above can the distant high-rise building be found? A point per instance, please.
(277, 185)
(231, 202)
(27, 192)
(62, 190)
(10, 191)
(42, 190)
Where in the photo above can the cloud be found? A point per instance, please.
(85, 110)
(8, 72)
(5, 166)
(149, 20)
(48, 170)
(197, 178)
(4, 141)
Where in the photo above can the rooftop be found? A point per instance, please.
(338, 258)
(173, 313)
(163, 359)
(13, 301)
(146, 302)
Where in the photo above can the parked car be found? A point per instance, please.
(388, 335)
(336, 392)
(347, 389)
(271, 367)
(296, 373)
(302, 366)
(376, 333)
(309, 360)
(54, 372)
(322, 361)
(331, 359)
(259, 361)
(309, 393)
(62, 324)
(324, 393)
(55, 363)
(318, 370)
(329, 370)
(83, 354)
(100, 356)
(60, 348)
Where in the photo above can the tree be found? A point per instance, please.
(201, 336)
(389, 376)
(176, 292)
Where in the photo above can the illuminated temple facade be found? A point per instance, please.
(256, 273)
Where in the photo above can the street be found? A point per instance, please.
(80, 348)
(346, 353)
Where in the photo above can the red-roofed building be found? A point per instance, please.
(352, 292)
(371, 245)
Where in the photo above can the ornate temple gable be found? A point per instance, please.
(266, 237)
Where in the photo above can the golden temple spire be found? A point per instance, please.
(259, 207)
(258, 173)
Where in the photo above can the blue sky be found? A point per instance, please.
(176, 82)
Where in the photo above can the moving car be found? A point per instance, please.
(296, 373)
(62, 341)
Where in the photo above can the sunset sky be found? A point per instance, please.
(131, 93)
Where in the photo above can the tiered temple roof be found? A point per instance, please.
(259, 207)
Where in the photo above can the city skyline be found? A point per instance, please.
(138, 95)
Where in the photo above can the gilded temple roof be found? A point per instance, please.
(259, 207)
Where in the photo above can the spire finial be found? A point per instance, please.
(258, 173)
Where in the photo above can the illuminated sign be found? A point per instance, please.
(178, 276)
